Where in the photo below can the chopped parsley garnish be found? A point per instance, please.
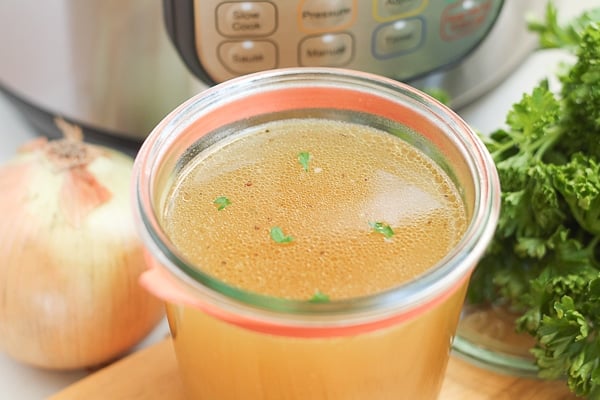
(319, 297)
(304, 159)
(383, 228)
(279, 237)
(221, 202)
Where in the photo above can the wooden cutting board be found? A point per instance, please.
(151, 374)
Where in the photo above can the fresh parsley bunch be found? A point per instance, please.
(545, 256)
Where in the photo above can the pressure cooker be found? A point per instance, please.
(117, 67)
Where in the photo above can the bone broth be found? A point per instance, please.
(314, 210)
(359, 210)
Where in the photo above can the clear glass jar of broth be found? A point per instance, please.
(312, 232)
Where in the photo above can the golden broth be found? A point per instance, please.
(355, 177)
(325, 184)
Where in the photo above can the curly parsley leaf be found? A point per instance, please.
(221, 202)
(304, 159)
(545, 256)
(382, 228)
(578, 181)
(553, 35)
(279, 237)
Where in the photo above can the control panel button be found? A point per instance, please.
(329, 50)
(248, 56)
(402, 39)
(463, 18)
(326, 15)
(387, 9)
(251, 18)
(398, 37)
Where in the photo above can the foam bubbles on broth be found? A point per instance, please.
(356, 175)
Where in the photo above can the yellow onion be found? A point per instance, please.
(70, 257)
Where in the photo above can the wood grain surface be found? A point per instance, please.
(151, 374)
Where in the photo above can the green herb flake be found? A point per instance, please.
(304, 159)
(383, 228)
(319, 297)
(279, 237)
(221, 202)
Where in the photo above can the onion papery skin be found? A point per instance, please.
(69, 292)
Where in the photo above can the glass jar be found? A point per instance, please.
(232, 343)
(487, 336)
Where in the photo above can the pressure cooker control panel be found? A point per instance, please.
(402, 39)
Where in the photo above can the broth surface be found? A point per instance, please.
(356, 178)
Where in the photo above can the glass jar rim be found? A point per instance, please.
(447, 275)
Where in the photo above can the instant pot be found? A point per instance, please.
(117, 67)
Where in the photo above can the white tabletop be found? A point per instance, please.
(18, 381)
